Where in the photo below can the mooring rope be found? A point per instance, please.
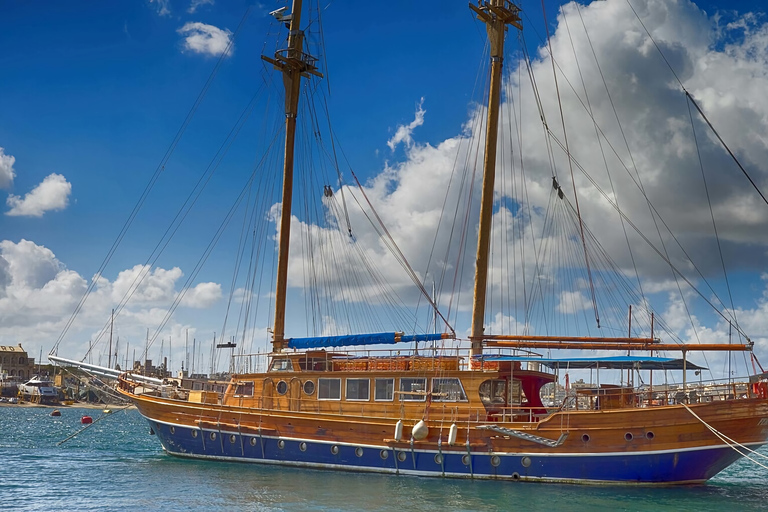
(728, 441)
(103, 415)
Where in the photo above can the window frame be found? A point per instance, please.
(412, 398)
(346, 390)
(320, 388)
(391, 392)
(245, 384)
(436, 398)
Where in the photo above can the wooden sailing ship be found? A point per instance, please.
(464, 413)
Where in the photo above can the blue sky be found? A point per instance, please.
(94, 93)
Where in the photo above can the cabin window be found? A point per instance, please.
(244, 389)
(309, 387)
(448, 390)
(413, 389)
(314, 364)
(281, 365)
(329, 389)
(358, 389)
(493, 391)
(384, 390)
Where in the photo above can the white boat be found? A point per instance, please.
(39, 390)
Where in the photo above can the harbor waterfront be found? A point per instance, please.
(117, 465)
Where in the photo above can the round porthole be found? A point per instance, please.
(438, 458)
(495, 461)
(466, 460)
(303, 447)
(628, 436)
(585, 438)
(526, 462)
(232, 439)
(253, 441)
(649, 435)
(335, 450)
(281, 444)
(384, 454)
(309, 387)
(359, 451)
(282, 387)
(194, 433)
(173, 430)
(213, 436)
(401, 456)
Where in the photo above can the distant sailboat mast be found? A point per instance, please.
(496, 14)
(293, 63)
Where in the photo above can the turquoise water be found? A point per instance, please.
(117, 465)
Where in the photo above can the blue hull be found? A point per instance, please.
(645, 468)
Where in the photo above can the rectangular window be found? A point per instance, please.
(329, 389)
(244, 389)
(413, 390)
(385, 390)
(448, 390)
(281, 365)
(358, 389)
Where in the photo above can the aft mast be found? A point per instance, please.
(294, 64)
(496, 14)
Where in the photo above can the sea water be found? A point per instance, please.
(117, 465)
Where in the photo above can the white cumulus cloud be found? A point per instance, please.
(197, 4)
(7, 172)
(163, 7)
(404, 132)
(206, 39)
(50, 195)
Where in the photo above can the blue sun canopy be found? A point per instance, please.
(350, 340)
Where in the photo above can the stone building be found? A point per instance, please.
(14, 363)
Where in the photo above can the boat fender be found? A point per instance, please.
(420, 431)
(452, 433)
(56, 412)
(398, 430)
(85, 420)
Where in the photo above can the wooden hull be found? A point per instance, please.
(647, 446)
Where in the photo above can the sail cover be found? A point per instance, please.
(349, 340)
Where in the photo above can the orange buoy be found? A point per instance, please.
(56, 412)
(86, 419)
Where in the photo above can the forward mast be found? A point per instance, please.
(294, 63)
(496, 14)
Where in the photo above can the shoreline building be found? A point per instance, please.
(15, 364)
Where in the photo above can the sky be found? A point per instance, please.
(92, 98)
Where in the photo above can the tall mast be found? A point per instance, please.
(496, 14)
(294, 64)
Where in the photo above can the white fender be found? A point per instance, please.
(398, 430)
(452, 433)
(420, 431)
